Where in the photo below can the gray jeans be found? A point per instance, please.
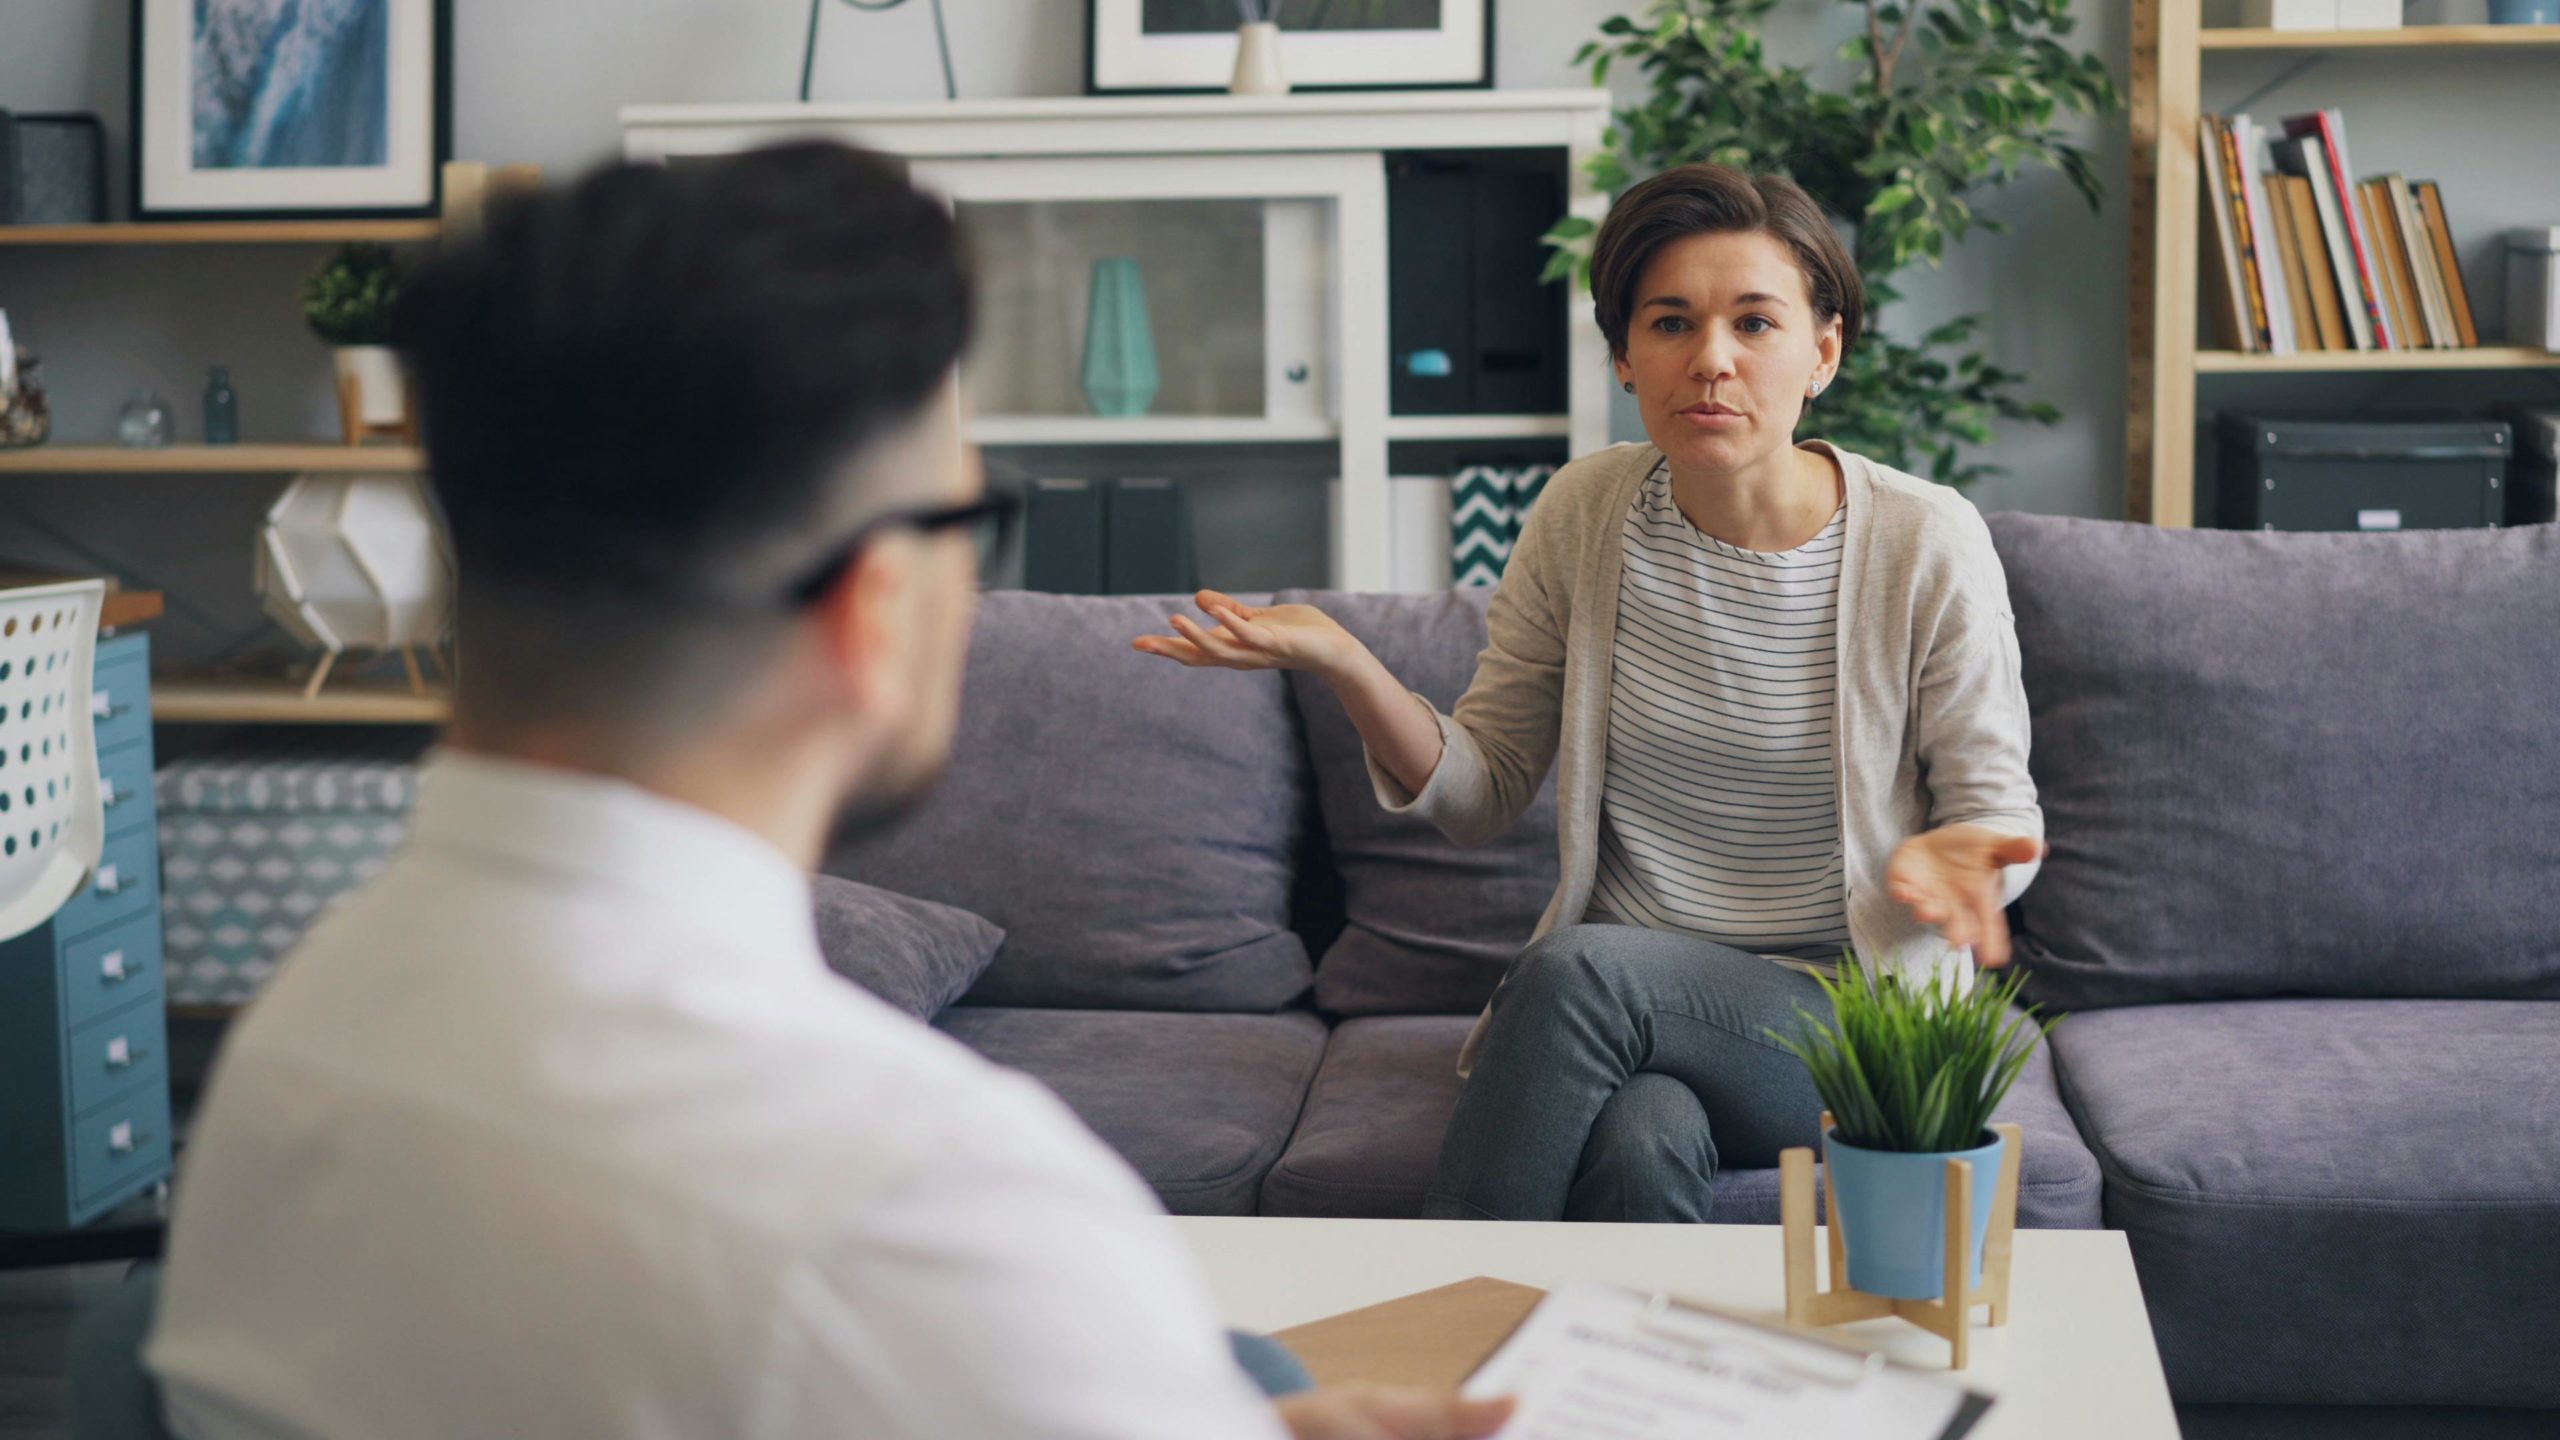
(1622, 1068)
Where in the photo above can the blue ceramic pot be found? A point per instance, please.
(1120, 375)
(1893, 1215)
(2524, 12)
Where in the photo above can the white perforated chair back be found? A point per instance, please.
(52, 828)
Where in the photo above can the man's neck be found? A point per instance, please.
(774, 796)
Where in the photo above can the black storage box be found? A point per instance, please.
(2533, 490)
(1472, 327)
(2298, 474)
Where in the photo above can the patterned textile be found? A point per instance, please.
(1487, 507)
(254, 844)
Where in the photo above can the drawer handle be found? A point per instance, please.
(109, 797)
(111, 968)
(124, 1139)
(109, 883)
(122, 1056)
(102, 707)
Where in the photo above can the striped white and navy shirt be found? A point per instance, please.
(1718, 816)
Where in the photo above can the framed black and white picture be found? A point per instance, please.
(290, 109)
(1174, 45)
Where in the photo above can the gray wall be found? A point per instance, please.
(541, 80)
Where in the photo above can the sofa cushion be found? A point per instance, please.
(1370, 1137)
(1366, 1146)
(2336, 1201)
(1129, 823)
(2290, 764)
(1430, 926)
(915, 954)
(1200, 1105)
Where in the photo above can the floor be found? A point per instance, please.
(36, 1307)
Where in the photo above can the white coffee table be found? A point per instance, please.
(2076, 1358)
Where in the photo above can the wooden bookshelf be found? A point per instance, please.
(183, 701)
(2477, 357)
(2170, 45)
(212, 459)
(225, 232)
(2412, 37)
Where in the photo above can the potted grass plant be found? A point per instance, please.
(1911, 1073)
(348, 304)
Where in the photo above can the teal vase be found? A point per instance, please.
(1120, 376)
(1893, 1215)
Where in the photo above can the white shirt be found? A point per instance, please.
(563, 1129)
(1719, 812)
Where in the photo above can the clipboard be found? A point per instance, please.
(1464, 1335)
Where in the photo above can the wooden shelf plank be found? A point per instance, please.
(180, 701)
(2411, 37)
(1478, 427)
(224, 232)
(2483, 357)
(1146, 430)
(211, 459)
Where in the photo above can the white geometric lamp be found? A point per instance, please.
(357, 562)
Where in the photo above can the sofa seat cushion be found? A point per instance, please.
(1130, 824)
(1366, 1146)
(2287, 764)
(1370, 1137)
(2335, 1201)
(1430, 925)
(1199, 1105)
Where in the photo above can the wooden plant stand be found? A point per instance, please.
(358, 432)
(1810, 1302)
(408, 658)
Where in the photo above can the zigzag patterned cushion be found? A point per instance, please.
(1487, 504)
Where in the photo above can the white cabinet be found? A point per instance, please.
(1259, 228)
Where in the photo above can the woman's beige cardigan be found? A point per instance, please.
(1930, 727)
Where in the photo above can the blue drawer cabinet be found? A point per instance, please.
(84, 1072)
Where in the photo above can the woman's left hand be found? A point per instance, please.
(1949, 878)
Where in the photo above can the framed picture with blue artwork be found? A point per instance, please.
(290, 109)
(1170, 46)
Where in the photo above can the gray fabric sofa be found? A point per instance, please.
(1243, 974)
(2301, 793)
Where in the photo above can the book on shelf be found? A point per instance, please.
(2330, 128)
(2302, 258)
(2383, 238)
(2440, 235)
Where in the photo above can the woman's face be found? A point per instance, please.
(1722, 348)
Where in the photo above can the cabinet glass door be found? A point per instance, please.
(1151, 298)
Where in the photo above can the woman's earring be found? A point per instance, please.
(1627, 385)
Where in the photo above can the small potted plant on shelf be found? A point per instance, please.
(348, 303)
(1911, 1072)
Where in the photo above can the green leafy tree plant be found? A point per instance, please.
(1914, 1068)
(348, 301)
(1949, 97)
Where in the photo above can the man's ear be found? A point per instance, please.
(865, 624)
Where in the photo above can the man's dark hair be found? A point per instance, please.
(641, 397)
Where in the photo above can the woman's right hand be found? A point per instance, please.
(1257, 637)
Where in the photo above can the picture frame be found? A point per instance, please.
(360, 128)
(1167, 47)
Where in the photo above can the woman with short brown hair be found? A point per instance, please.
(1783, 683)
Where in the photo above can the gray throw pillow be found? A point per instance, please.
(2288, 764)
(916, 954)
(1430, 925)
(1132, 825)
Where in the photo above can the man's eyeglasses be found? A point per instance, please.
(989, 522)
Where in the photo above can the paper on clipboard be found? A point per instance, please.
(1596, 1362)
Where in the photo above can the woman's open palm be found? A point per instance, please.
(1253, 637)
